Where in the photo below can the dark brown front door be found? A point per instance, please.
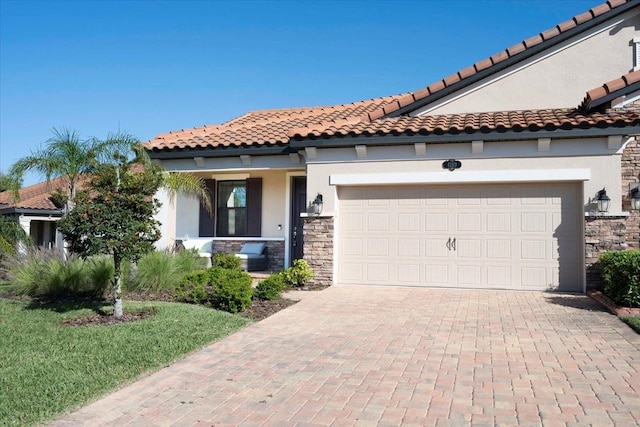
(298, 206)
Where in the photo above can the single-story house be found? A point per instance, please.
(516, 172)
(488, 178)
(36, 211)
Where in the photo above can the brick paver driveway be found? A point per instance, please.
(365, 355)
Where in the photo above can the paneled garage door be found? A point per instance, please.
(524, 236)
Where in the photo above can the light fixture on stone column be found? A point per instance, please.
(604, 201)
(634, 196)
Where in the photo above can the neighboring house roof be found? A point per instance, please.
(33, 198)
(478, 125)
(274, 128)
(601, 96)
(36, 198)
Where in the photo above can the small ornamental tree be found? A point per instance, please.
(116, 216)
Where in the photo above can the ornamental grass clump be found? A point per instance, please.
(162, 271)
(46, 273)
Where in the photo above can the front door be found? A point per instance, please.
(298, 206)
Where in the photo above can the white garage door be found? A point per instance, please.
(520, 236)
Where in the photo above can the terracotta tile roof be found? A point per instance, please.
(37, 196)
(33, 197)
(266, 127)
(274, 127)
(472, 123)
(610, 90)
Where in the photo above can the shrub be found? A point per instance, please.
(161, 271)
(298, 274)
(45, 273)
(270, 288)
(621, 275)
(232, 289)
(227, 261)
(224, 289)
(195, 288)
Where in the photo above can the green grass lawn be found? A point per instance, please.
(633, 321)
(47, 369)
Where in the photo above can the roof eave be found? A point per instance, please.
(594, 104)
(31, 211)
(220, 152)
(390, 139)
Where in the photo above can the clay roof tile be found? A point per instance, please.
(533, 41)
(583, 17)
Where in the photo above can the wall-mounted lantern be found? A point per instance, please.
(634, 196)
(317, 205)
(604, 201)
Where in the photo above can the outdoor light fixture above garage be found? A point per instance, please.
(603, 201)
(317, 204)
(634, 194)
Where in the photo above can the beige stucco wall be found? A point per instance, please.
(593, 155)
(556, 79)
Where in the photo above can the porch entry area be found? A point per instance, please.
(249, 207)
(498, 236)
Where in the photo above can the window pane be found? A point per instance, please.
(231, 212)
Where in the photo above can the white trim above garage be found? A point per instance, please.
(494, 176)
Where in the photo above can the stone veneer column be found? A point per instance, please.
(612, 233)
(601, 234)
(318, 249)
(630, 164)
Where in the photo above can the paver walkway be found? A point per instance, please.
(365, 355)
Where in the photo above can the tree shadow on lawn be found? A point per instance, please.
(65, 305)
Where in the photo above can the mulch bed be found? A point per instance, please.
(105, 319)
(259, 310)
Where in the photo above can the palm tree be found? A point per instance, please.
(71, 158)
(65, 156)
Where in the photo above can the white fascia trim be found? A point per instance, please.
(476, 177)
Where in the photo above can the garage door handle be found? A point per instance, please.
(449, 243)
(453, 244)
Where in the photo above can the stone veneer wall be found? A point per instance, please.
(318, 249)
(631, 174)
(275, 248)
(601, 234)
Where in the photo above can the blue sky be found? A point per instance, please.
(148, 67)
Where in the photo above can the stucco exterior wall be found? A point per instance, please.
(552, 80)
(602, 163)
